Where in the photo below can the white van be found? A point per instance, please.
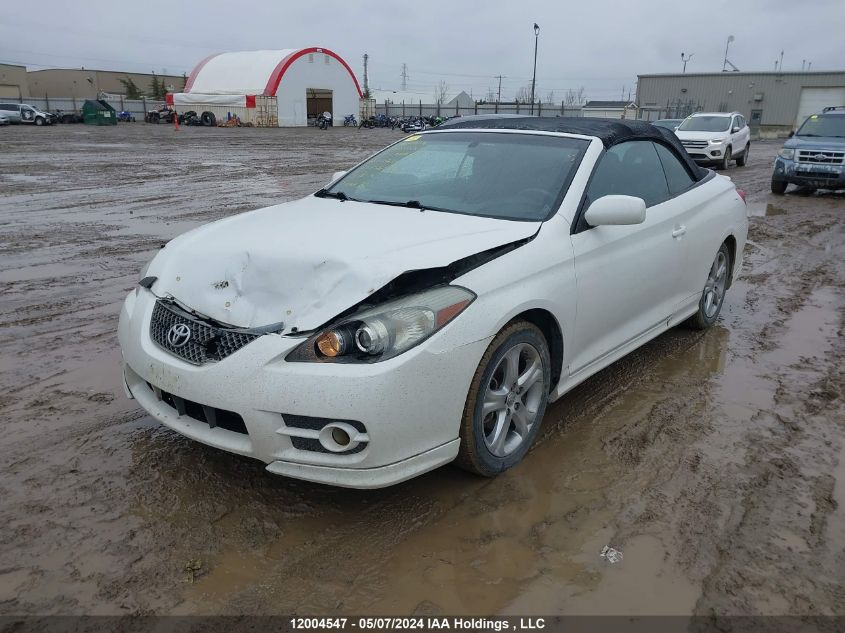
(25, 113)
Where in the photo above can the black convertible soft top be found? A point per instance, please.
(608, 131)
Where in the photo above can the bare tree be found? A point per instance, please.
(440, 92)
(523, 95)
(550, 98)
(574, 97)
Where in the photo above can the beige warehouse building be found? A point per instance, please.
(13, 82)
(18, 84)
(87, 84)
(773, 103)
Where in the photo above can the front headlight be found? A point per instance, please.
(386, 330)
(716, 141)
(786, 153)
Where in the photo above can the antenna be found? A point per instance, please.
(366, 80)
(404, 77)
(686, 59)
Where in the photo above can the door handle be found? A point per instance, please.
(679, 231)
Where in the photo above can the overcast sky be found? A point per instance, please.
(599, 44)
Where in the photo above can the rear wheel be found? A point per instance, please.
(726, 159)
(506, 402)
(778, 187)
(713, 295)
(742, 160)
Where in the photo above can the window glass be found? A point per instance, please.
(706, 123)
(677, 176)
(629, 169)
(500, 175)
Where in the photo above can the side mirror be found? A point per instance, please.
(616, 211)
(337, 176)
(735, 129)
(791, 133)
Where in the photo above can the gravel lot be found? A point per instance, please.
(715, 461)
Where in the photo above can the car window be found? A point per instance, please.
(677, 176)
(500, 175)
(706, 123)
(741, 120)
(629, 169)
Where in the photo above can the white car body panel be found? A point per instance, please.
(262, 268)
(609, 289)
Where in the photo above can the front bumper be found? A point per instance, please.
(809, 174)
(410, 406)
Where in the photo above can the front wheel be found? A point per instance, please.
(713, 295)
(39, 121)
(779, 187)
(726, 159)
(743, 160)
(506, 401)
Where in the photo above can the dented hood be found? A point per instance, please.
(304, 262)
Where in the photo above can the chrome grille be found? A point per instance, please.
(821, 156)
(207, 342)
(694, 144)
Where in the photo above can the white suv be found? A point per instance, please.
(716, 138)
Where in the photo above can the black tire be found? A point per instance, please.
(779, 187)
(743, 160)
(726, 159)
(705, 318)
(474, 454)
(208, 119)
(154, 117)
(39, 121)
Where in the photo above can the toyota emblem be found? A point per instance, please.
(178, 335)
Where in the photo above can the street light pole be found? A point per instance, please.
(686, 59)
(534, 76)
(725, 63)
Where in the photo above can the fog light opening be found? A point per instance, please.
(341, 437)
(338, 437)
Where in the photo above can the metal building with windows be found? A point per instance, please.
(774, 103)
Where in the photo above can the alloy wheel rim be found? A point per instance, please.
(714, 289)
(512, 399)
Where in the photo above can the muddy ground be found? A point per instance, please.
(715, 461)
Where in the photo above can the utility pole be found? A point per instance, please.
(404, 77)
(781, 61)
(366, 80)
(499, 96)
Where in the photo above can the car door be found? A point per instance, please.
(627, 277)
(694, 225)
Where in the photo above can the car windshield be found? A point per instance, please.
(823, 125)
(706, 124)
(492, 174)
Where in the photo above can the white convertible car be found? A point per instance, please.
(425, 306)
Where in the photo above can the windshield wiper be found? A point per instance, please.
(410, 204)
(338, 195)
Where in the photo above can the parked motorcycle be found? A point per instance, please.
(350, 119)
(324, 120)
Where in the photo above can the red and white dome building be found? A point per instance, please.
(272, 87)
